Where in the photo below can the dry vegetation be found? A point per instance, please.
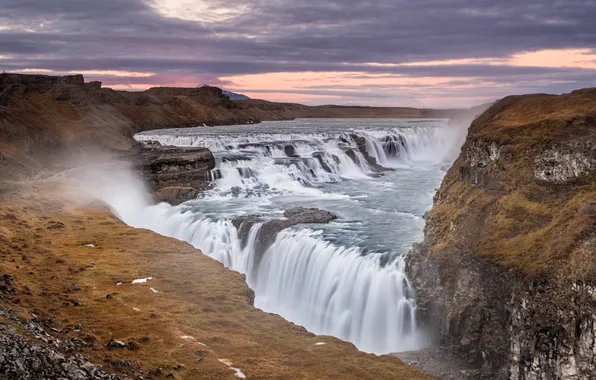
(43, 244)
(502, 211)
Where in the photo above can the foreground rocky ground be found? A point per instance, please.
(68, 270)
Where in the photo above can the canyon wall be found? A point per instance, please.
(506, 272)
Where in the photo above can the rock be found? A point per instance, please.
(120, 364)
(175, 174)
(30, 353)
(156, 372)
(6, 284)
(53, 225)
(360, 142)
(309, 215)
(74, 288)
(319, 156)
(290, 151)
(175, 195)
(564, 162)
(116, 344)
(244, 224)
(269, 230)
(588, 208)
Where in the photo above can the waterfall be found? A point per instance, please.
(256, 163)
(329, 289)
(309, 275)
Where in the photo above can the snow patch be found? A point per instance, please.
(90, 245)
(320, 343)
(239, 374)
(142, 280)
(135, 309)
(154, 290)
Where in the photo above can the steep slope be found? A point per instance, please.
(506, 273)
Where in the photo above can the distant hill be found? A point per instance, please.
(229, 94)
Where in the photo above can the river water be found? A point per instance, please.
(345, 278)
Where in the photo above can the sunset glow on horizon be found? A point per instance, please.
(378, 54)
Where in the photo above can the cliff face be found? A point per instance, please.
(506, 272)
(175, 175)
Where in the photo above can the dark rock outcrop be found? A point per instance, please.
(506, 273)
(360, 143)
(176, 174)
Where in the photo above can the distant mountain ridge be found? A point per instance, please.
(229, 94)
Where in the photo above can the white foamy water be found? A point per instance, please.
(345, 278)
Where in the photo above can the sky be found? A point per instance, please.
(420, 53)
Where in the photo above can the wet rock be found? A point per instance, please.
(360, 143)
(244, 224)
(320, 157)
(175, 195)
(309, 215)
(269, 230)
(290, 151)
(176, 174)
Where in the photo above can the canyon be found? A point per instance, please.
(503, 276)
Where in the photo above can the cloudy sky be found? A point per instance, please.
(432, 53)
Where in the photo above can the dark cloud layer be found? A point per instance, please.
(264, 36)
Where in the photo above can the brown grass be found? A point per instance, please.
(509, 216)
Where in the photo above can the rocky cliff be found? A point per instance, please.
(175, 175)
(506, 272)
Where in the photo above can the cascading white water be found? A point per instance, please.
(334, 290)
(345, 279)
